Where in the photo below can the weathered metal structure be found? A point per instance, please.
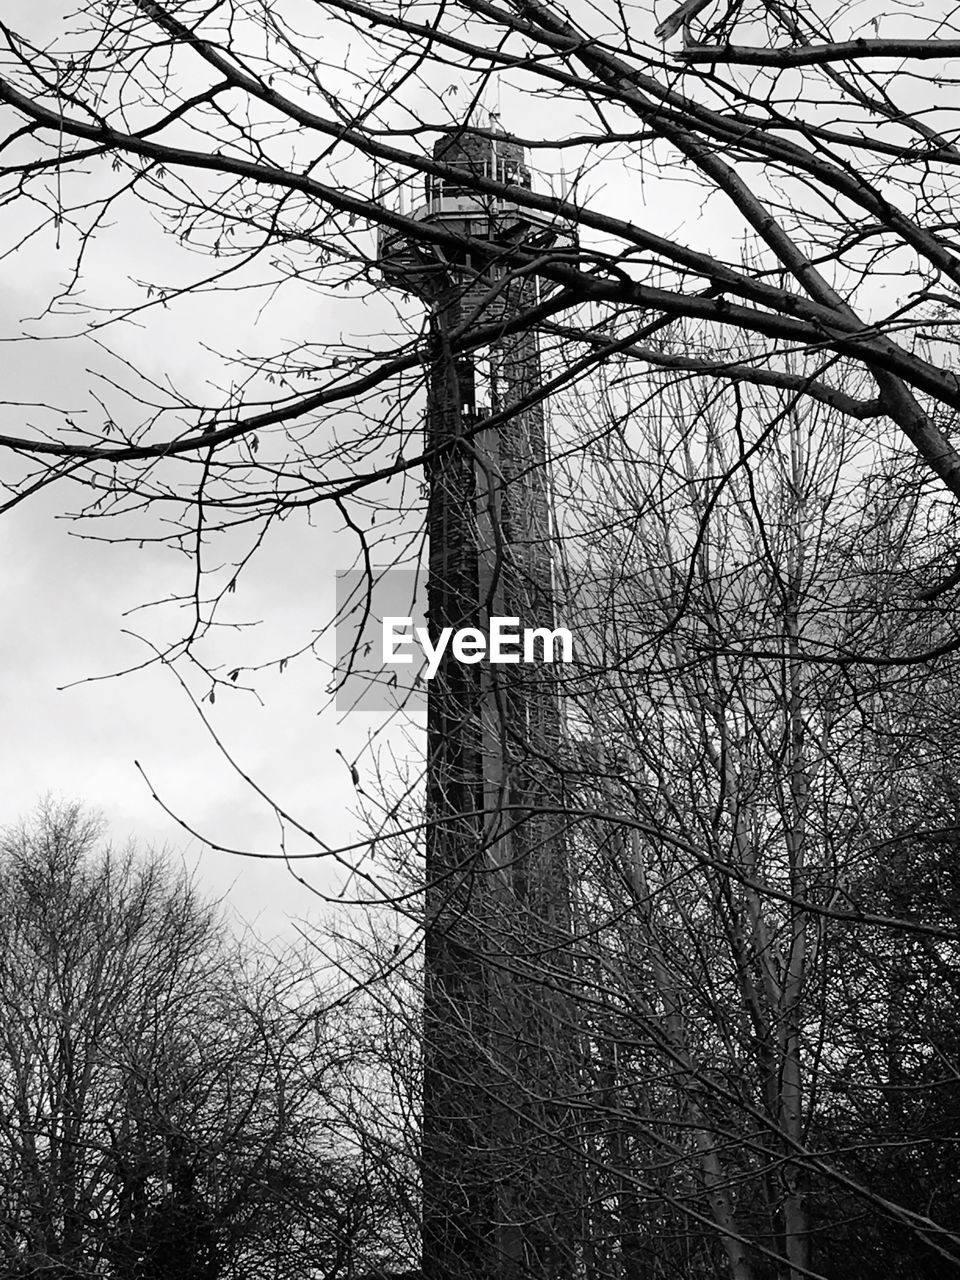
(497, 1201)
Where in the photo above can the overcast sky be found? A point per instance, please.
(66, 602)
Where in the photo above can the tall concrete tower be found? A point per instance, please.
(497, 1201)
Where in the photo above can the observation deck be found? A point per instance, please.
(468, 214)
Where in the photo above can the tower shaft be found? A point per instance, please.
(497, 897)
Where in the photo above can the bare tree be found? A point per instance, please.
(162, 1107)
(747, 744)
(749, 735)
(251, 148)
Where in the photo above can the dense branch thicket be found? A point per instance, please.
(823, 189)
